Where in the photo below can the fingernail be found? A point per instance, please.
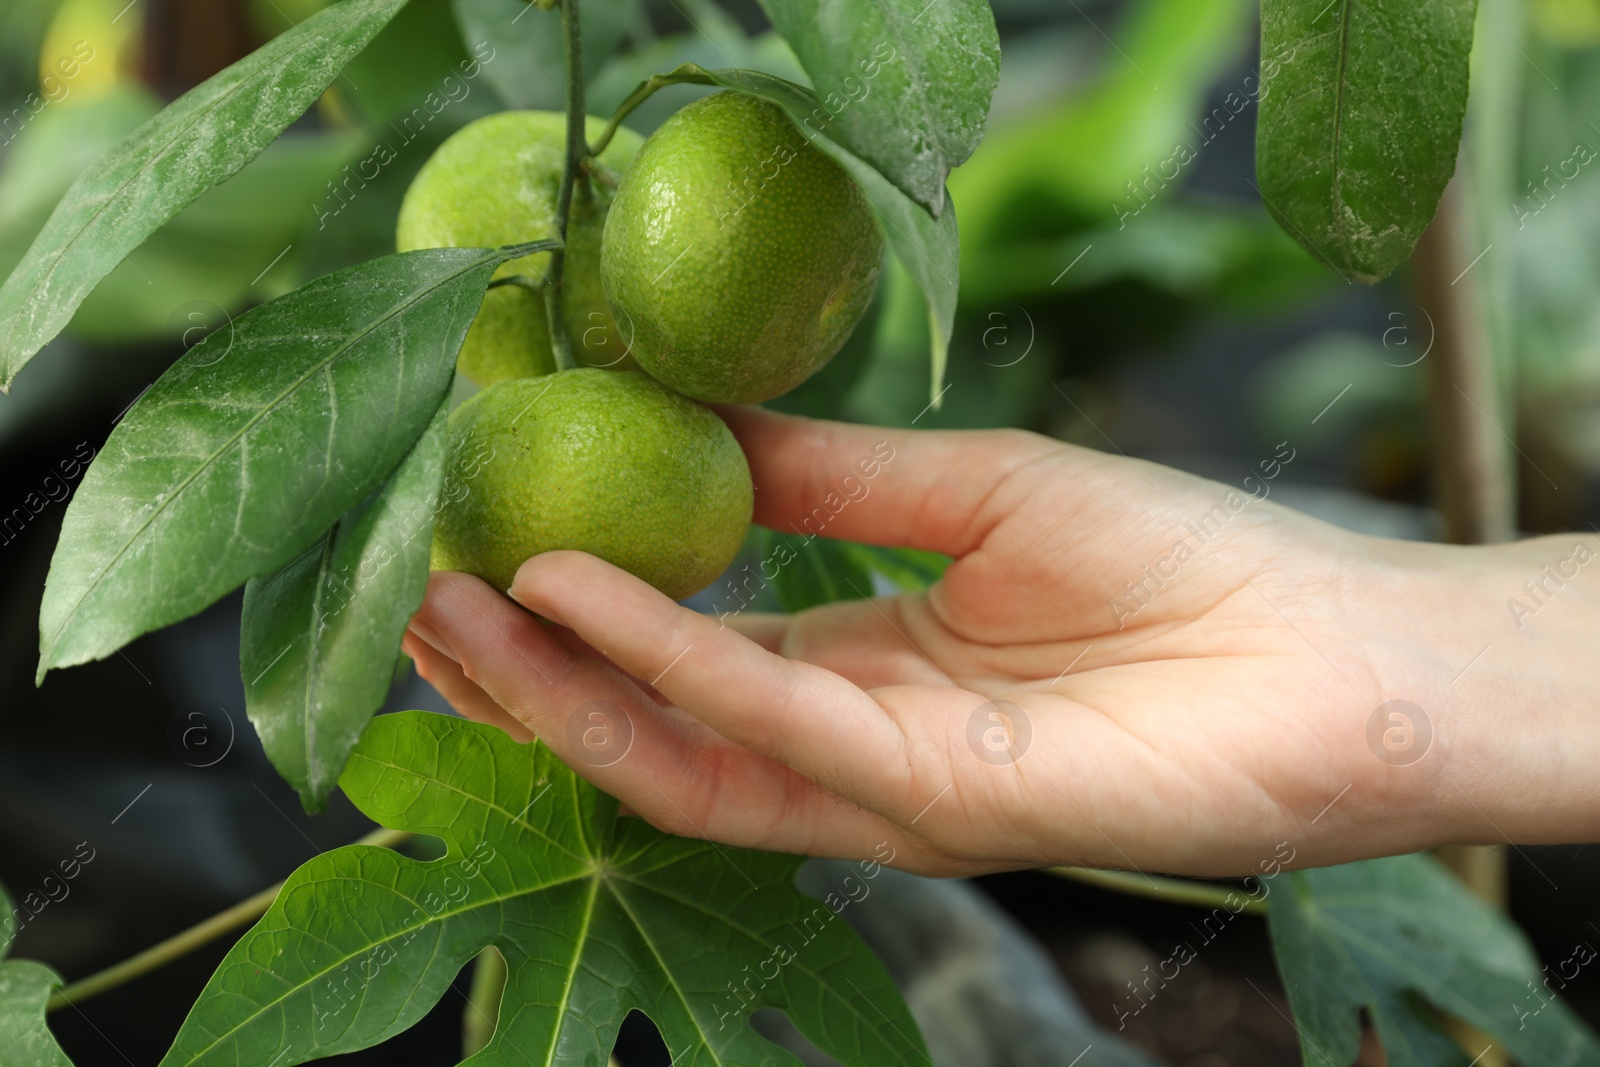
(428, 634)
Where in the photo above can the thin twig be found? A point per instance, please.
(1174, 890)
(577, 155)
(180, 944)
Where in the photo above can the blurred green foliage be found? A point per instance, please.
(1078, 259)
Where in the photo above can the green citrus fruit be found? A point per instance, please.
(737, 256)
(495, 182)
(606, 462)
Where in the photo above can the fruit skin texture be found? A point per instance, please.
(495, 182)
(606, 462)
(738, 255)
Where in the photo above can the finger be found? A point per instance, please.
(444, 674)
(934, 490)
(680, 775)
(798, 714)
(866, 641)
(765, 629)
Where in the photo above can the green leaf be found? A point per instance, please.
(320, 638)
(808, 571)
(904, 84)
(912, 569)
(25, 986)
(596, 915)
(1404, 940)
(204, 137)
(812, 571)
(1359, 127)
(528, 70)
(255, 442)
(929, 248)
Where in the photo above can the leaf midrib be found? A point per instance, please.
(181, 128)
(666, 971)
(580, 943)
(249, 424)
(1336, 183)
(265, 1005)
(746, 931)
(330, 543)
(511, 820)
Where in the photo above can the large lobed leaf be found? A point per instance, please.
(1359, 126)
(25, 987)
(1403, 940)
(254, 443)
(204, 137)
(596, 915)
(320, 637)
(904, 84)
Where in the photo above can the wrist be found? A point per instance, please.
(1501, 658)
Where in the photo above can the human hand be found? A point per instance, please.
(1124, 667)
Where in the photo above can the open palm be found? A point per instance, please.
(1125, 666)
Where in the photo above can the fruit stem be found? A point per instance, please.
(687, 74)
(577, 155)
(536, 286)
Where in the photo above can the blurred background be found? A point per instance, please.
(1178, 325)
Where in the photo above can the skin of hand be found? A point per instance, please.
(1124, 667)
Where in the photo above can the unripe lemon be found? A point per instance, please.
(606, 462)
(737, 256)
(495, 182)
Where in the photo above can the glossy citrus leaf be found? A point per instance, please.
(320, 637)
(199, 141)
(806, 571)
(255, 442)
(25, 986)
(595, 914)
(1404, 941)
(1360, 122)
(904, 85)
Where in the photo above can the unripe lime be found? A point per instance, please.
(737, 256)
(495, 182)
(606, 462)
